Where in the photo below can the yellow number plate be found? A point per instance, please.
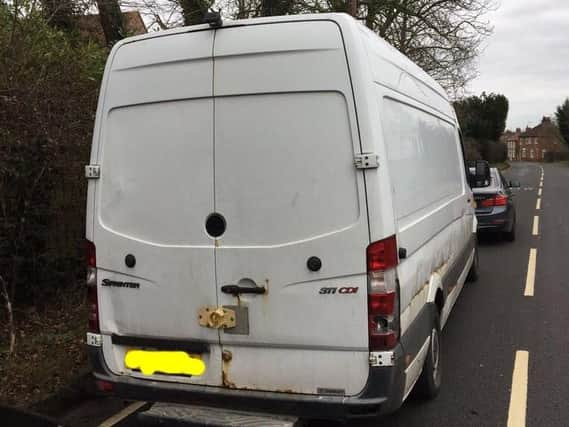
(166, 362)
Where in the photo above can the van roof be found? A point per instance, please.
(344, 20)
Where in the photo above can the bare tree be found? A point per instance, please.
(277, 7)
(193, 10)
(444, 37)
(59, 13)
(111, 20)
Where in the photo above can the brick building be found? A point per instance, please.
(533, 144)
(512, 141)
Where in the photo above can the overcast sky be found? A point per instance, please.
(527, 58)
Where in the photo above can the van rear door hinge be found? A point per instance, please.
(366, 161)
(92, 171)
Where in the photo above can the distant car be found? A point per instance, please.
(495, 208)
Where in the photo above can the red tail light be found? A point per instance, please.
(383, 304)
(497, 200)
(93, 313)
(91, 282)
(383, 294)
(91, 254)
(500, 200)
(104, 386)
(382, 254)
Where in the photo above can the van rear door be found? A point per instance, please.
(155, 191)
(286, 185)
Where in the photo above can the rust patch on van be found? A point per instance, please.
(226, 358)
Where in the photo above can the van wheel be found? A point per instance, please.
(473, 272)
(429, 382)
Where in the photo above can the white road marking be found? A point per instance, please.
(541, 184)
(538, 204)
(535, 229)
(539, 192)
(530, 278)
(119, 416)
(519, 393)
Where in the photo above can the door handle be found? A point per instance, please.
(236, 290)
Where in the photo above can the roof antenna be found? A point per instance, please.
(213, 18)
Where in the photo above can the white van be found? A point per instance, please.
(283, 200)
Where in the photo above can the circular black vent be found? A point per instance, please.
(215, 225)
(130, 260)
(314, 263)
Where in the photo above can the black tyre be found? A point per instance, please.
(429, 382)
(510, 236)
(473, 272)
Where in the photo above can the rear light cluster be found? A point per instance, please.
(91, 282)
(383, 294)
(496, 200)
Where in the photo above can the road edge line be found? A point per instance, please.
(535, 228)
(519, 392)
(121, 415)
(530, 278)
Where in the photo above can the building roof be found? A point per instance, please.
(90, 26)
(545, 128)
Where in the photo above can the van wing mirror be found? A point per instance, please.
(479, 173)
(514, 184)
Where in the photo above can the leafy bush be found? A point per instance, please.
(49, 82)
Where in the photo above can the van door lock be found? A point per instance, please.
(217, 317)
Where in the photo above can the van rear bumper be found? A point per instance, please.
(382, 394)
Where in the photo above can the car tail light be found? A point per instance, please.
(383, 294)
(91, 282)
(500, 200)
(496, 200)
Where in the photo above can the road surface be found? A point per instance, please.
(506, 345)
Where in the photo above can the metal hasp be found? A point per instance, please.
(217, 317)
(94, 340)
(92, 171)
(366, 161)
(381, 358)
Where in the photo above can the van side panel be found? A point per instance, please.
(429, 197)
(421, 180)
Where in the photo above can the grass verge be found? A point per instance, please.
(49, 353)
